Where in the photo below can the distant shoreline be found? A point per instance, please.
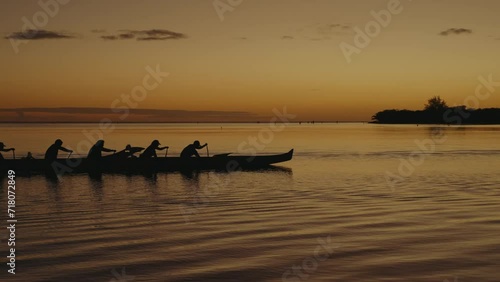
(255, 122)
(441, 124)
(440, 114)
(179, 122)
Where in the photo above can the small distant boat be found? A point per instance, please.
(113, 164)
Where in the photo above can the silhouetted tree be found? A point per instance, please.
(436, 111)
(435, 104)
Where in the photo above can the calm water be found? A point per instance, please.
(358, 202)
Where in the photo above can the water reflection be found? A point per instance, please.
(281, 169)
(191, 180)
(189, 175)
(53, 189)
(96, 185)
(152, 183)
(208, 226)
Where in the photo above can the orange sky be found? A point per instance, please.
(262, 54)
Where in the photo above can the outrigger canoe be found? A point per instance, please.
(113, 164)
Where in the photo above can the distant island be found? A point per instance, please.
(436, 111)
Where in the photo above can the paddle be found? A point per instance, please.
(69, 155)
(208, 155)
(14, 154)
(221, 155)
(166, 152)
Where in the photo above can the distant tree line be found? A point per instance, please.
(436, 111)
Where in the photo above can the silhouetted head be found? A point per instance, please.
(100, 143)
(2, 145)
(128, 147)
(155, 143)
(58, 142)
(196, 143)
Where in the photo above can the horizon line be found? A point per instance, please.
(179, 122)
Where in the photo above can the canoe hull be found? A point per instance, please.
(133, 165)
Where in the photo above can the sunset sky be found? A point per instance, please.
(242, 63)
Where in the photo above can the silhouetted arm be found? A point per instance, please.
(108, 150)
(162, 148)
(9, 149)
(65, 150)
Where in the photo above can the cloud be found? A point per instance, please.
(38, 34)
(126, 36)
(157, 34)
(456, 31)
(336, 26)
(109, 37)
(332, 29)
(320, 32)
(145, 35)
(287, 37)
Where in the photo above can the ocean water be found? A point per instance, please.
(358, 202)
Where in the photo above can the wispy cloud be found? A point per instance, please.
(38, 34)
(320, 32)
(109, 37)
(334, 27)
(287, 37)
(456, 31)
(145, 35)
